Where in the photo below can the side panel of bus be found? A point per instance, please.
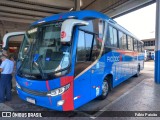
(118, 60)
(126, 57)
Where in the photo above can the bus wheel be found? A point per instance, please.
(138, 71)
(105, 89)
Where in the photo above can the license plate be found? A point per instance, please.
(31, 100)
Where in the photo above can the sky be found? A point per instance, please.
(141, 22)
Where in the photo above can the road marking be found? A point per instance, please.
(106, 107)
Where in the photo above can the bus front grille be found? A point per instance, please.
(33, 92)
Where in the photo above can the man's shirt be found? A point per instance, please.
(7, 66)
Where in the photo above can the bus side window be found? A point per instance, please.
(112, 37)
(88, 45)
(84, 45)
(109, 41)
(122, 40)
(135, 45)
(115, 36)
(96, 48)
(130, 43)
(81, 47)
(142, 50)
(139, 46)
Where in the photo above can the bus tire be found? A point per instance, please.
(138, 71)
(105, 88)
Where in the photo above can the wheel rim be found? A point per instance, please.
(105, 88)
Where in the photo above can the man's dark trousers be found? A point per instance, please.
(5, 87)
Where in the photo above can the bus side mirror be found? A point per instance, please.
(9, 35)
(67, 28)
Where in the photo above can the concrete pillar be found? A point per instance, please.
(76, 5)
(157, 44)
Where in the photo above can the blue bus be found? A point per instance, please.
(69, 59)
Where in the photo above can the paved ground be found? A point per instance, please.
(136, 94)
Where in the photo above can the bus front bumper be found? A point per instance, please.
(54, 103)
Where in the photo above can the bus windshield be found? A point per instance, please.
(43, 55)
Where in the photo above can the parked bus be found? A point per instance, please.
(69, 59)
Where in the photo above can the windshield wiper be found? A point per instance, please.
(36, 58)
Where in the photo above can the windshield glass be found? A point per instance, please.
(42, 53)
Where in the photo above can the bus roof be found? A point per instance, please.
(81, 15)
(77, 14)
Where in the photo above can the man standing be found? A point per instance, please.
(6, 69)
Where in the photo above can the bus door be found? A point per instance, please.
(88, 68)
(83, 66)
(87, 53)
(97, 70)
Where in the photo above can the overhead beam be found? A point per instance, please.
(30, 6)
(86, 3)
(128, 7)
(102, 5)
(16, 20)
(11, 15)
(65, 4)
(24, 12)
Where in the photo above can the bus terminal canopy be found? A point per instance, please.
(28, 11)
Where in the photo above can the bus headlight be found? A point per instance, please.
(58, 91)
(18, 86)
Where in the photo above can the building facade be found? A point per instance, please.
(149, 46)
